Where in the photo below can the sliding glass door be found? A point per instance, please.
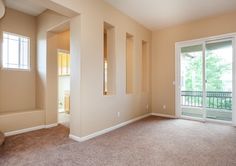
(206, 80)
(191, 81)
(219, 80)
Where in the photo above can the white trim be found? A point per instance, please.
(202, 41)
(234, 83)
(177, 81)
(209, 121)
(164, 115)
(178, 46)
(204, 95)
(219, 121)
(217, 37)
(192, 118)
(51, 125)
(63, 51)
(28, 55)
(11, 133)
(219, 40)
(104, 131)
(200, 108)
(76, 138)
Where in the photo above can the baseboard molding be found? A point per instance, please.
(90, 136)
(11, 133)
(75, 138)
(164, 115)
(81, 139)
(51, 125)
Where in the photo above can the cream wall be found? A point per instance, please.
(2, 8)
(64, 40)
(91, 111)
(18, 87)
(129, 64)
(96, 111)
(47, 64)
(45, 22)
(75, 77)
(163, 55)
(21, 120)
(55, 41)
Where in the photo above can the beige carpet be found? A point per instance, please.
(151, 141)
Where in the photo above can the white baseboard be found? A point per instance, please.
(90, 136)
(11, 133)
(51, 125)
(75, 138)
(164, 115)
(81, 139)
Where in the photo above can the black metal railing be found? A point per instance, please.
(214, 100)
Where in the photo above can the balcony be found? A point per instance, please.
(218, 104)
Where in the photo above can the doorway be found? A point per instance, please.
(63, 86)
(205, 79)
(59, 52)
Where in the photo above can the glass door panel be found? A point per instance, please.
(192, 81)
(219, 77)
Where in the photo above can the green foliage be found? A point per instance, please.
(214, 72)
(193, 75)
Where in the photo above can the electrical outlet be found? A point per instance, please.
(164, 107)
(118, 114)
(147, 107)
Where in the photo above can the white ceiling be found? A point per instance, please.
(26, 6)
(157, 14)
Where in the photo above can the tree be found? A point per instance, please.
(214, 72)
(216, 68)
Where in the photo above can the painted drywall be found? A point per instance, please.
(96, 111)
(163, 55)
(18, 87)
(110, 58)
(87, 68)
(21, 120)
(63, 40)
(47, 64)
(129, 64)
(2, 9)
(75, 84)
(55, 41)
(145, 64)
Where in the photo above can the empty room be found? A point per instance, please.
(112, 82)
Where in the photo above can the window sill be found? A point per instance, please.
(12, 69)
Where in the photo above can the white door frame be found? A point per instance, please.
(202, 41)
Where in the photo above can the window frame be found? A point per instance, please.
(28, 56)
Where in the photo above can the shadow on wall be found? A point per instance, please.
(2, 9)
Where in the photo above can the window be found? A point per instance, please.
(63, 63)
(16, 51)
